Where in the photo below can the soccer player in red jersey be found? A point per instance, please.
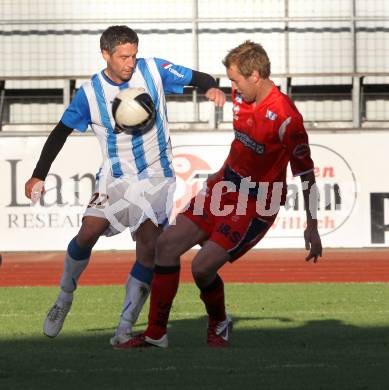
(240, 202)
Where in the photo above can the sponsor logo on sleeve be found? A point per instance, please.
(170, 68)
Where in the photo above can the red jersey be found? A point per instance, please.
(268, 136)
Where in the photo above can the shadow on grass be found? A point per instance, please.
(320, 354)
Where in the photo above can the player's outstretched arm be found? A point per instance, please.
(54, 143)
(311, 233)
(208, 85)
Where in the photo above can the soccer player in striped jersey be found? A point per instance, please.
(135, 183)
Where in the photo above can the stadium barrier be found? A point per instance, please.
(353, 208)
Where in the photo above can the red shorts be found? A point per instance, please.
(235, 233)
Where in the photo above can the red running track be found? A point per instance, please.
(257, 266)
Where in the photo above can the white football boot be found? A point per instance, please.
(55, 318)
(123, 333)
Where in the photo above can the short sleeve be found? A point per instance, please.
(174, 77)
(77, 115)
(294, 136)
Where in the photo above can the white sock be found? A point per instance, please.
(137, 293)
(72, 272)
(64, 297)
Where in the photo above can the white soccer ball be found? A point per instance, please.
(134, 111)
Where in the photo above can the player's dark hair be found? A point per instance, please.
(114, 36)
(248, 57)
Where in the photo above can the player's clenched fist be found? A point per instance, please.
(33, 188)
(217, 96)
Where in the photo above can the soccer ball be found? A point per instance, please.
(133, 111)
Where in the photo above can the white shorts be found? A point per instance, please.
(126, 202)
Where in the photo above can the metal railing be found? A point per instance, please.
(216, 117)
(195, 26)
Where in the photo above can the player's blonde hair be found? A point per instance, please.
(248, 57)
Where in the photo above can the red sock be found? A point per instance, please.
(213, 297)
(163, 290)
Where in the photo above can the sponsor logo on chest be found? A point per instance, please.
(247, 141)
(271, 115)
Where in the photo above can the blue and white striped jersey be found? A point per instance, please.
(125, 155)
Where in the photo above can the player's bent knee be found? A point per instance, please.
(90, 231)
(87, 238)
(200, 273)
(86, 242)
(162, 246)
(145, 253)
(166, 248)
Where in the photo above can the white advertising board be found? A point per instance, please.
(349, 167)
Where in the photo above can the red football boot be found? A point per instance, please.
(219, 332)
(142, 341)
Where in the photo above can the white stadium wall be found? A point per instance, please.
(350, 171)
(46, 38)
(48, 46)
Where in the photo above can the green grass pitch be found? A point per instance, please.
(286, 336)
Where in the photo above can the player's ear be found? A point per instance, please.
(254, 77)
(105, 54)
